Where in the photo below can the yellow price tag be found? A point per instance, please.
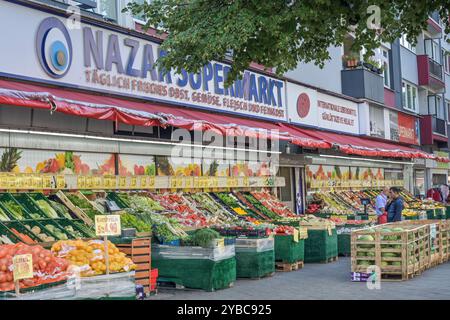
(133, 182)
(188, 182)
(3, 181)
(37, 182)
(60, 182)
(179, 182)
(122, 182)
(107, 225)
(143, 182)
(11, 181)
(196, 182)
(89, 182)
(97, 182)
(81, 182)
(151, 182)
(22, 266)
(173, 182)
(295, 235)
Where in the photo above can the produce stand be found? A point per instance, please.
(208, 269)
(62, 291)
(255, 258)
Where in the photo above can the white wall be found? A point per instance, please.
(328, 78)
(409, 65)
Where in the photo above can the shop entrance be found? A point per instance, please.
(286, 193)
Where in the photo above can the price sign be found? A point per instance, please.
(98, 181)
(179, 182)
(151, 182)
(133, 182)
(81, 182)
(60, 182)
(122, 182)
(47, 181)
(188, 183)
(89, 182)
(143, 182)
(11, 181)
(173, 182)
(107, 225)
(23, 266)
(37, 182)
(295, 235)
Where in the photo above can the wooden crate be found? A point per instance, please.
(439, 245)
(139, 251)
(408, 249)
(77, 211)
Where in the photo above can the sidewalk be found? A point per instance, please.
(324, 281)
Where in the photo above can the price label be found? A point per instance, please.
(143, 182)
(3, 181)
(295, 235)
(188, 183)
(37, 182)
(173, 182)
(23, 266)
(81, 182)
(151, 182)
(47, 181)
(89, 182)
(97, 182)
(133, 182)
(60, 182)
(179, 182)
(11, 181)
(196, 182)
(122, 182)
(107, 225)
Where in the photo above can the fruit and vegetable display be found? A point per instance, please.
(202, 238)
(83, 204)
(256, 206)
(231, 202)
(271, 202)
(41, 234)
(47, 209)
(4, 239)
(46, 267)
(89, 256)
(14, 209)
(136, 201)
(284, 230)
(216, 213)
(3, 215)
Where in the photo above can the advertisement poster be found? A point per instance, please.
(216, 168)
(174, 166)
(408, 132)
(136, 165)
(62, 162)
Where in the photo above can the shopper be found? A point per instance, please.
(444, 192)
(380, 205)
(394, 206)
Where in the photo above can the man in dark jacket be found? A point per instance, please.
(395, 205)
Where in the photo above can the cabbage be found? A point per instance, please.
(47, 208)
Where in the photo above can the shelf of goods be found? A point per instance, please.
(348, 204)
(402, 250)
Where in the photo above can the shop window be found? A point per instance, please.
(386, 67)
(419, 183)
(409, 96)
(446, 58)
(393, 127)
(393, 174)
(286, 191)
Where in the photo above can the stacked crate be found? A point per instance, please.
(139, 251)
(399, 255)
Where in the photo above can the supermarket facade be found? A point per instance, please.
(91, 89)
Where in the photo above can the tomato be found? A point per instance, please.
(2, 277)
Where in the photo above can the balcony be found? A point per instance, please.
(362, 83)
(433, 130)
(430, 73)
(433, 26)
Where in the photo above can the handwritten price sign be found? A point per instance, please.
(107, 225)
(23, 267)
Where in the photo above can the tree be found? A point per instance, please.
(279, 33)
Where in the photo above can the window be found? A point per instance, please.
(376, 116)
(405, 43)
(409, 96)
(108, 8)
(393, 125)
(446, 58)
(140, 17)
(386, 70)
(435, 106)
(447, 107)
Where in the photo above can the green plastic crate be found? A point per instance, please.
(58, 224)
(320, 245)
(447, 212)
(20, 227)
(67, 222)
(202, 274)
(31, 207)
(253, 264)
(430, 214)
(39, 196)
(112, 196)
(287, 250)
(4, 230)
(6, 197)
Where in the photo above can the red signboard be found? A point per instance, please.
(407, 129)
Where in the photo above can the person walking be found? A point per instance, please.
(380, 205)
(395, 205)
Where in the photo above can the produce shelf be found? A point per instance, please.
(27, 202)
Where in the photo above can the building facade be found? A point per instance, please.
(91, 89)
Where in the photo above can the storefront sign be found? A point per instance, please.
(107, 225)
(442, 165)
(408, 129)
(98, 59)
(310, 107)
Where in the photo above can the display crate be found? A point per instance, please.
(78, 212)
(36, 196)
(321, 245)
(7, 197)
(4, 230)
(139, 251)
(255, 258)
(112, 196)
(20, 227)
(27, 203)
(400, 255)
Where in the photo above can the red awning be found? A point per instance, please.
(368, 147)
(143, 113)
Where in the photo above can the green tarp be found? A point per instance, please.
(320, 245)
(253, 264)
(203, 274)
(287, 250)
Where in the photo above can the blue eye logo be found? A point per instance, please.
(54, 47)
